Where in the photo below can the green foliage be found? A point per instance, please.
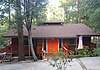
(61, 54)
(96, 52)
(54, 12)
(56, 55)
(34, 11)
(70, 11)
(83, 51)
(90, 10)
(71, 52)
(98, 44)
(25, 11)
(95, 19)
(6, 6)
(2, 42)
(3, 28)
(55, 58)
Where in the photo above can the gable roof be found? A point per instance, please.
(56, 31)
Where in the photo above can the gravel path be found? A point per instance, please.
(27, 66)
(86, 63)
(39, 65)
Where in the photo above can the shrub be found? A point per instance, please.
(71, 52)
(83, 51)
(55, 58)
(61, 54)
(71, 55)
(98, 45)
(96, 51)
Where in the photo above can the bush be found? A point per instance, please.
(96, 51)
(71, 52)
(98, 45)
(55, 58)
(71, 55)
(61, 54)
(83, 51)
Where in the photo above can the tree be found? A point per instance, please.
(95, 20)
(54, 11)
(3, 22)
(89, 11)
(6, 7)
(19, 23)
(33, 11)
(71, 12)
(3, 28)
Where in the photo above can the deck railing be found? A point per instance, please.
(65, 50)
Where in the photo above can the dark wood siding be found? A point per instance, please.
(39, 46)
(87, 41)
(72, 45)
(15, 46)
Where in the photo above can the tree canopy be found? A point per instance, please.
(90, 13)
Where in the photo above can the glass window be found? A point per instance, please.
(25, 41)
(72, 40)
(34, 42)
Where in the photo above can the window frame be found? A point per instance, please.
(72, 41)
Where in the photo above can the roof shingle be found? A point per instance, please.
(57, 31)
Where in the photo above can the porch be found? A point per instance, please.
(49, 45)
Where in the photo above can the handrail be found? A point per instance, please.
(65, 51)
(64, 48)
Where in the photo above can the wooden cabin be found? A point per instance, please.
(53, 36)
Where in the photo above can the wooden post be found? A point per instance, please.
(76, 46)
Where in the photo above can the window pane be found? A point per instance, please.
(72, 41)
(34, 42)
(25, 41)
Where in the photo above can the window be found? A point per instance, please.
(72, 40)
(34, 42)
(25, 41)
(94, 39)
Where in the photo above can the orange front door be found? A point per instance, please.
(52, 45)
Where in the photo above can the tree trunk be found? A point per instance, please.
(31, 45)
(20, 43)
(20, 30)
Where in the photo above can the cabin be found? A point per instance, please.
(52, 37)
